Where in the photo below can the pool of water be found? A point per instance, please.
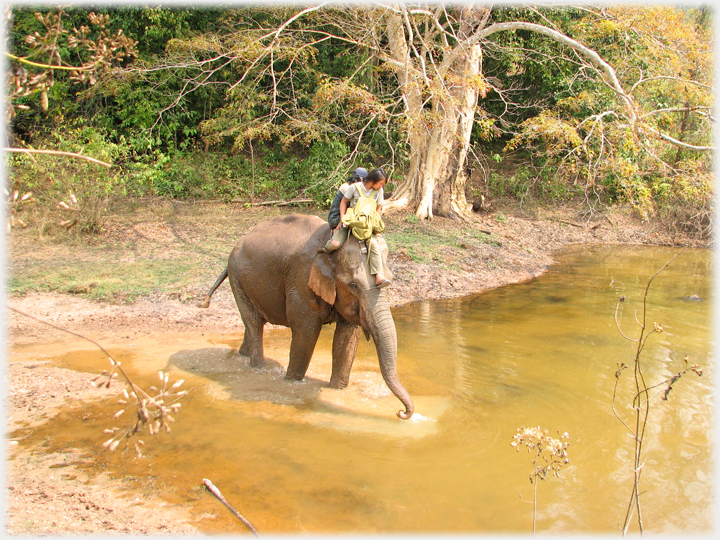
(301, 458)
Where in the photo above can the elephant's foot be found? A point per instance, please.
(294, 376)
(257, 363)
(338, 384)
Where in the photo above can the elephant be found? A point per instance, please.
(279, 274)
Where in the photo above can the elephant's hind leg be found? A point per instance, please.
(254, 322)
(245, 346)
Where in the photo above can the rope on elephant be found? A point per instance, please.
(215, 491)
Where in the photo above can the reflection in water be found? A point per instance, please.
(300, 457)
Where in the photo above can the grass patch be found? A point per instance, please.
(107, 281)
(425, 245)
(483, 238)
(420, 244)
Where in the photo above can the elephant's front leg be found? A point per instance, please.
(345, 344)
(304, 338)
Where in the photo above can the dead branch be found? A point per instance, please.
(579, 225)
(215, 491)
(57, 153)
(282, 203)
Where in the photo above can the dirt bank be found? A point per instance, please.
(48, 493)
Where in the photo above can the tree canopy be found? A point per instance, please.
(615, 101)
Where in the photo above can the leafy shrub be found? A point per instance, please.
(528, 181)
(685, 201)
(318, 174)
(70, 192)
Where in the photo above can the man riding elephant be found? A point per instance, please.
(280, 274)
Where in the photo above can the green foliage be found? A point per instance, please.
(153, 27)
(207, 176)
(275, 174)
(526, 180)
(514, 186)
(71, 193)
(319, 174)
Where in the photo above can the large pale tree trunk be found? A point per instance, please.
(440, 126)
(449, 195)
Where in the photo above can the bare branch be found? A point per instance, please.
(57, 153)
(295, 17)
(215, 491)
(89, 67)
(593, 56)
(676, 142)
(665, 78)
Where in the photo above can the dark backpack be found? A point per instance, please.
(334, 214)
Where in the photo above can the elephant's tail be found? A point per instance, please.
(206, 302)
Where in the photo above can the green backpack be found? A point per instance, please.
(363, 218)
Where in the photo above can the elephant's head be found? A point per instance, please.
(343, 279)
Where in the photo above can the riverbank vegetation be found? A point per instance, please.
(278, 103)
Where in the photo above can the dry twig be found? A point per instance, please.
(215, 491)
(153, 412)
(640, 404)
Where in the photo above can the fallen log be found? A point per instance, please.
(282, 203)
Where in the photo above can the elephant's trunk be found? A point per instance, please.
(382, 329)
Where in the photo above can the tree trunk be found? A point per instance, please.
(439, 129)
(450, 194)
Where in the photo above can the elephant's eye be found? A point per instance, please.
(353, 285)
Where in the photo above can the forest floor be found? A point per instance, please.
(50, 493)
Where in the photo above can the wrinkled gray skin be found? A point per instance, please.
(277, 276)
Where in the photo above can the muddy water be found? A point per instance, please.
(301, 458)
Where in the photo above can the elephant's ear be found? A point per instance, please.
(322, 278)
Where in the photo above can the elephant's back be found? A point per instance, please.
(272, 261)
(283, 237)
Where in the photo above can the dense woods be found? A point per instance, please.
(605, 104)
